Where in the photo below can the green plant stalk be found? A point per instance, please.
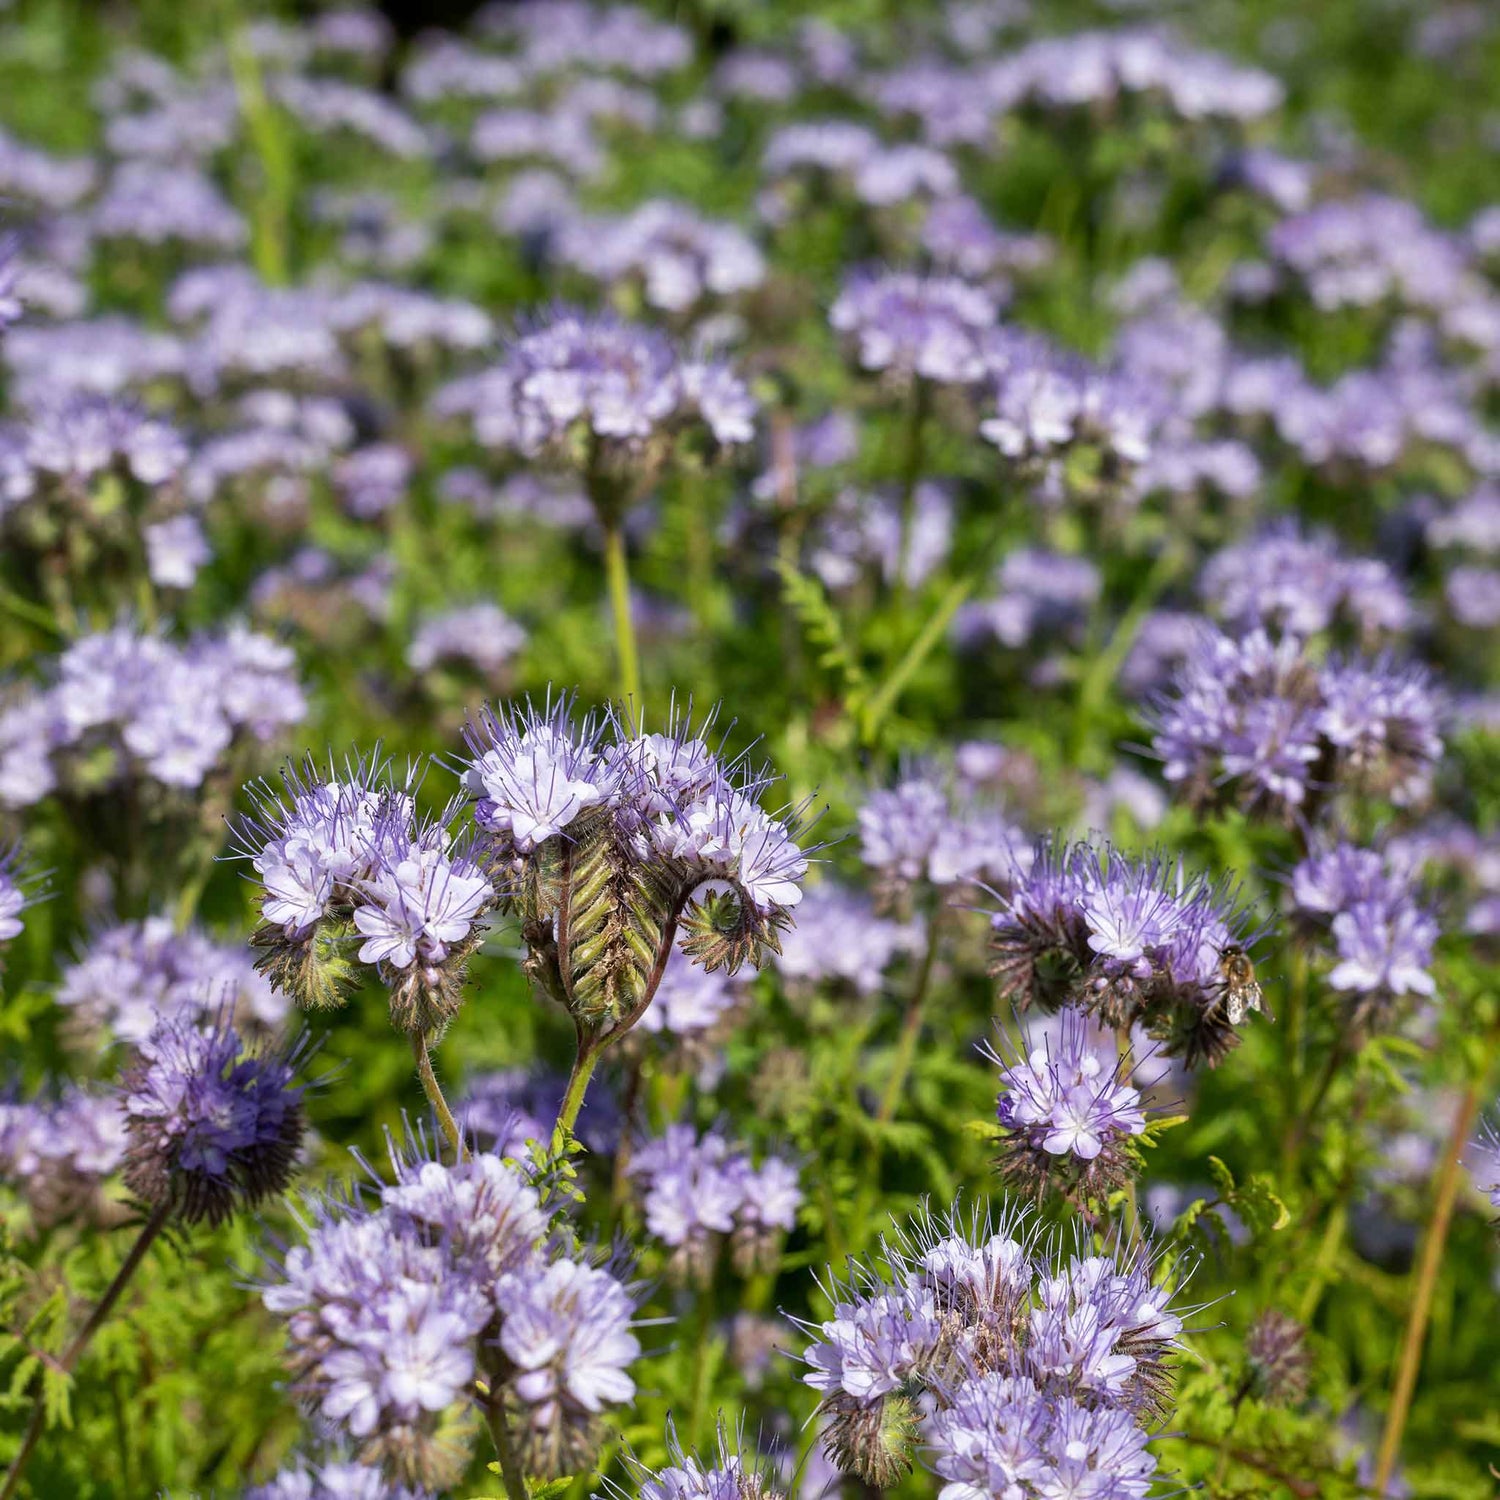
(1424, 1287)
(617, 578)
(578, 1082)
(81, 1340)
(510, 1466)
(430, 1086)
(913, 456)
(269, 223)
(918, 652)
(911, 1027)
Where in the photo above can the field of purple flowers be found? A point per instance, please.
(750, 751)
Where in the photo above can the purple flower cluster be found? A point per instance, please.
(1067, 1111)
(1382, 932)
(506, 1109)
(1302, 585)
(15, 896)
(691, 1001)
(1265, 723)
(908, 327)
(929, 830)
(839, 940)
(210, 1124)
(698, 1190)
(126, 703)
(347, 857)
(480, 637)
(1040, 596)
(392, 1311)
(680, 259)
(58, 1152)
(1130, 941)
(131, 977)
(957, 1306)
(661, 805)
(602, 397)
(333, 1481)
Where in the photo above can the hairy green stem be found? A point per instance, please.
(510, 1466)
(434, 1092)
(578, 1083)
(74, 1352)
(617, 577)
(1424, 1287)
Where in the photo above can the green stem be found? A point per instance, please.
(434, 1092)
(578, 1083)
(510, 1466)
(1425, 1285)
(918, 652)
(617, 575)
(913, 454)
(1302, 1126)
(911, 1027)
(74, 1352)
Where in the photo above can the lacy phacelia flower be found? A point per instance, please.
(906, 327)
(1300, 585)
(1383, 935)
(566, 1350)
(333, 1481)
(1128, 941)
(58, 1152)
(607, 399)
(344, 857)
(840, 940)
(211, 1125)
(958, 1303)
(1004, 1439)
(608, 841)
(1067, 1111)
(925, 830)
(393, 1312)
(130, 978)
(697, 1191)
(687, 1477)
(1263, 723)
(14, 895)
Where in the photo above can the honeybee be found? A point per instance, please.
(1242, 992)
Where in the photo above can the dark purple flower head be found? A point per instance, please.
(905, 326)
(1128, 940)
(211, 1124)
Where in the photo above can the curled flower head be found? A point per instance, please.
(211, 1125)
(611, 838)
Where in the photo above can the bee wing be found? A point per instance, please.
(1234, 1003)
